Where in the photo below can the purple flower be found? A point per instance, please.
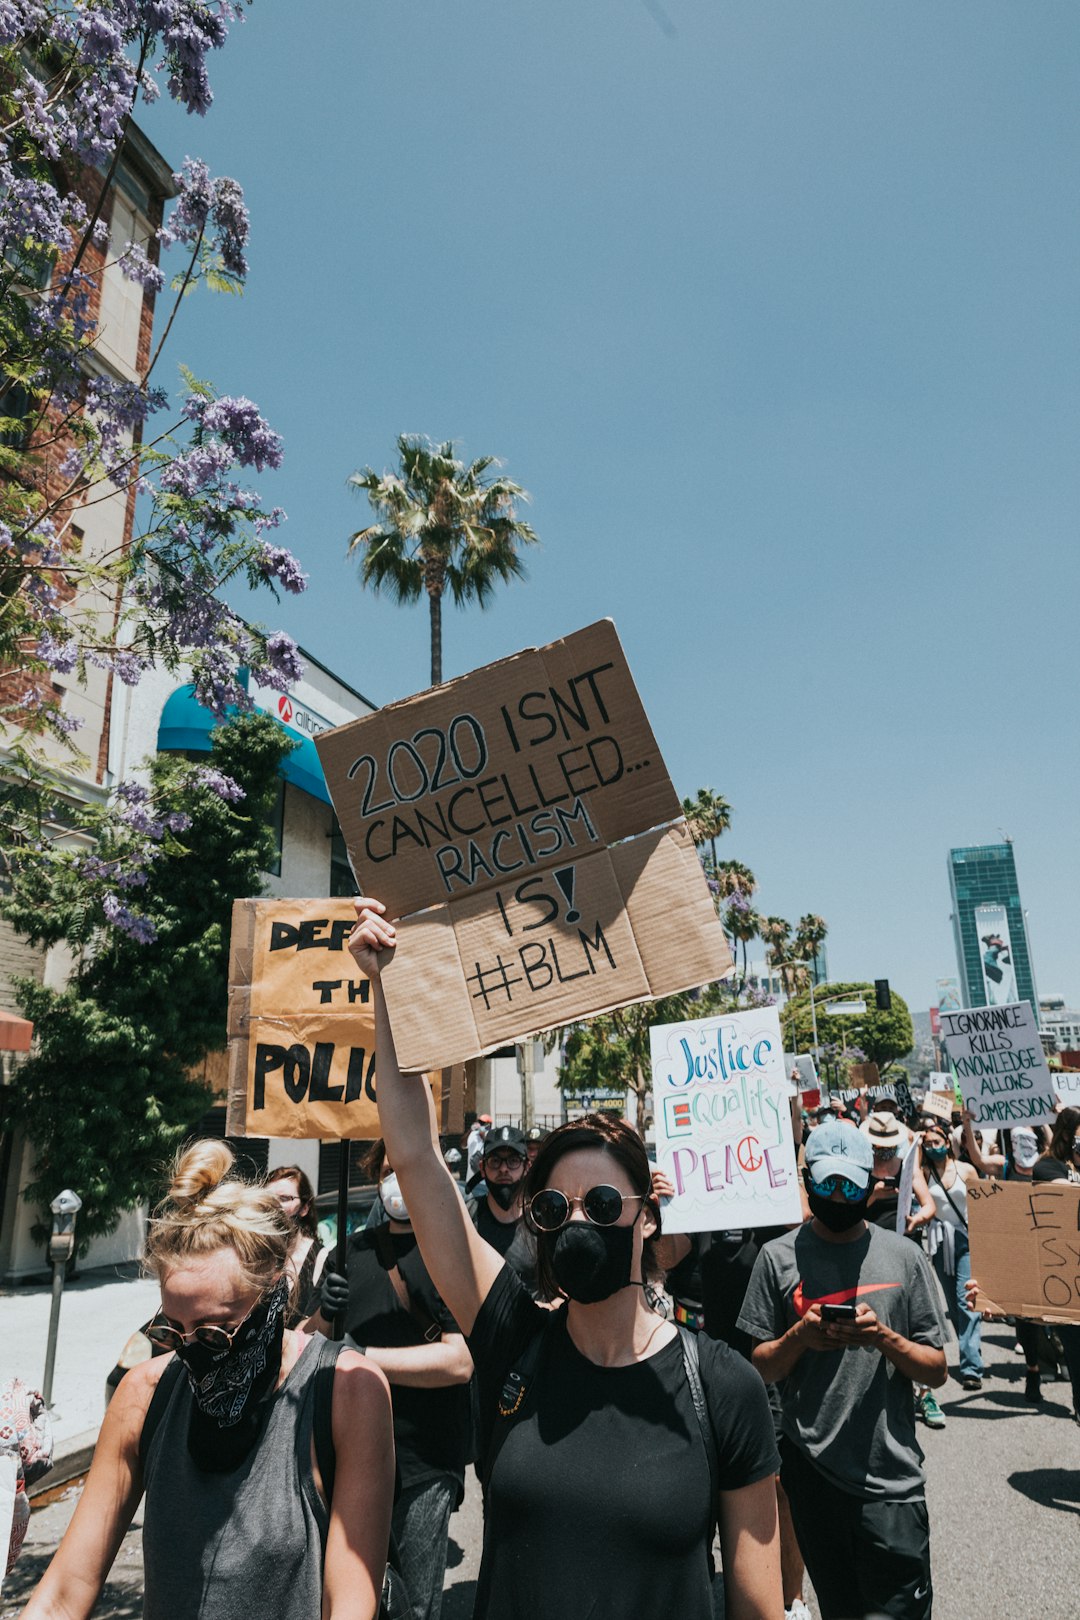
(72, 464)
(277, 563)
(19, 18)
(231, 219)
(217, 782)
(283, 660)
(61, 656)
(177, 821)
(140, 929)
(193, 204)
(130, 667)
(136, 267)
(197, 469)
(237, 421)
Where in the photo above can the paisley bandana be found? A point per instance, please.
(231, 1388)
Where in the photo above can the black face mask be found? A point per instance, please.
(391, 1247)
(504, 1192)
(231, 1387)
(837, 1217)
(590, 1263)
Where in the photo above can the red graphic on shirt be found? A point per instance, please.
(841, 1297)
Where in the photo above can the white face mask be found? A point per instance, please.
(392, 1201)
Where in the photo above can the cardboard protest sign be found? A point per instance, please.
(938, 1105)
(1025, 1248)
(723, 1122)
(302, 1027)
(905, 1187)
(864, 1075)
(1067, 1086)
(1001, 1071)
(517, 824)
(801, 1073)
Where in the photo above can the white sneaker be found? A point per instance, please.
(798, 1611)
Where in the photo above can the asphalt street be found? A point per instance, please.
(1003, 1487)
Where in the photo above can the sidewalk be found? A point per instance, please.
(99, 1312)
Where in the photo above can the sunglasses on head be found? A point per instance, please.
(825, 1189)
(163, 1333)
(550, 1209)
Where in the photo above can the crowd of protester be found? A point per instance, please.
(629, 1401)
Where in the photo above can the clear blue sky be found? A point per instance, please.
(773, 308)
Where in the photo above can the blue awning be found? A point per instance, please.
(186, 727)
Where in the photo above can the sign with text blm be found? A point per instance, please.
(723, 1122)
(1025, 1248)
(302, 1027)
(1001, 1071)
(521, 826)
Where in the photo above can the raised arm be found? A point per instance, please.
(987, 1164)
(461, 1265)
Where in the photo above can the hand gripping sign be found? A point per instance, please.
(302, 1028)
(521, 827)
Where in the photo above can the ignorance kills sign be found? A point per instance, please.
(302, 1027)
(520, 825)
(1000, 1067)
(723, 1122)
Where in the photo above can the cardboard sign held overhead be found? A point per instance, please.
(938, 1105)
(1000, 1067)
(513, 821)
(302, 1028)
(1025, 1248)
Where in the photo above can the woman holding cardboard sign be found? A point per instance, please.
(608, 1450)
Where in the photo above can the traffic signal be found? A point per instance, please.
(882, 995)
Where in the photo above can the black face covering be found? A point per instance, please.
(837, 1217)
(504, 1192)
(390, 1247)
(231, 1387)
(590, 1262)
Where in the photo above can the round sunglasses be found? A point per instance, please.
(208, 1333)
(550, 1209)
(824, 1189)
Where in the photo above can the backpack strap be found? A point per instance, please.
(518, 1390)
(691, 1351)
(159, 1400)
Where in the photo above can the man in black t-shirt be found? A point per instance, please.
(395, 1316)
(498, 1215)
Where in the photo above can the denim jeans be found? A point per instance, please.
(421, 1525)
(968, 1324)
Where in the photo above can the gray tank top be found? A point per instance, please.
(243, 1545)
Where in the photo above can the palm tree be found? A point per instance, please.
(735, 878)
(442, 526)
(742, 924)
(810, 936)
(708, 817)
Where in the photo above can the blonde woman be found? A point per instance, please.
(222, 1435)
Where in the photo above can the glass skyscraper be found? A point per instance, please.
(988, 926)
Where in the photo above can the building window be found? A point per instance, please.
(277, 829)
(121, 300)
(342, 881)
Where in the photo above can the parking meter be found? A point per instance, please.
(65, 1207)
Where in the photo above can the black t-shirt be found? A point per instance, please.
(1051, 1169)
(598, 1504)
(514, 1240)
(431, 1426)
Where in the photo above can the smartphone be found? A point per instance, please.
(838, 1313)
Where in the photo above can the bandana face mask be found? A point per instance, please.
(231, 1386)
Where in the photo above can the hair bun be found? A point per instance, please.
(199, 1169)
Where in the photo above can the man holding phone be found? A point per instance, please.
(845, 1318)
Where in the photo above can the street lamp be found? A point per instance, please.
(65, 1206)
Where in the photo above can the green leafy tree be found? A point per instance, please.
(443, 526)
(108, 1094)
(882, 1036)
(613, 1050)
